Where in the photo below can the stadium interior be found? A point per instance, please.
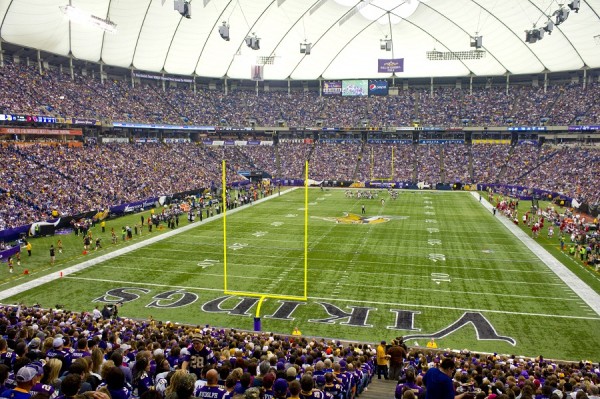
(109, 106)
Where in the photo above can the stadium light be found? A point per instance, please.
(224, 31)
(385, 44)
(305, 48)
(183, 7)
(476, 41)
(561, 15)
(81, 17)
(574, 5)
(534, 35)
(253, 42)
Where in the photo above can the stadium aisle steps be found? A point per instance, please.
(379, 389)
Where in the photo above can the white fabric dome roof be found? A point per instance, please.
(345, 43)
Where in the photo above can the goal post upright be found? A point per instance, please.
(223, 199)
(263, 296)
(306, 233)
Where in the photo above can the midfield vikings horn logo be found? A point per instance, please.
(351, 218)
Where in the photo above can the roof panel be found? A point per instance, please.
(117, 49)
(153, 36)
(86, 41)
(37, 24)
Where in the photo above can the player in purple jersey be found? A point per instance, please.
(211, 390)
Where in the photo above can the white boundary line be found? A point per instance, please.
(584, 291)
(84, 265)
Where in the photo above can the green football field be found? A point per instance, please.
(427, 264)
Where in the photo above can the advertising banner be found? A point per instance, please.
(378, 88)
(390, 65)
(332, 87)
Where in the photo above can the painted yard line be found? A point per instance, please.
(584, 291)
(84, 265)
(328, 272)
(351, 300)
(345, 264)
(479, 259)
(359, 242)
(385, 265)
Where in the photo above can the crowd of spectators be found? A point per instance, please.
(36, 180)
(100, 355)
(24, 90)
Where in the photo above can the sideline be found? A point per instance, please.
(84, 265)
(581, 289)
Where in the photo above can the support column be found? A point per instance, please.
(431, 87)
(471, 85)
(39, 60)
(71, 67)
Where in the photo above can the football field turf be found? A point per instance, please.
(427, 263)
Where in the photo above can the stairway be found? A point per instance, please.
(379, 389)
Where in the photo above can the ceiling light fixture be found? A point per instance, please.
(81, 17)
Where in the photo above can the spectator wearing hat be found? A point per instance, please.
(34, 348)
(280, 388)
(438, 381)
(199, 356)
(25, 379)
(58, 352)
(211, 389)
(382, 361)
